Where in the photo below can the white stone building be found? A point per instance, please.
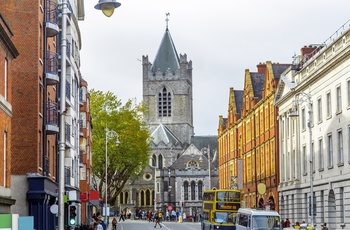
(319, 81)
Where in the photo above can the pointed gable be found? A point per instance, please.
(273, 73)
(167, 57)
(163, 135)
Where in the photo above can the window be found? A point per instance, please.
(330, 151)
(304, 160)
(160, 161)
(340, 148)
(342, 205)
(320, 155)
(164, 103)
(193, 190)
(348, 85)
(192, 165)
(339, 105)
(186, 190)
(200, 190)
(5, 160)
(319, 110)
(329, 105)
(287, 126)
(303, 119)
(5, 78)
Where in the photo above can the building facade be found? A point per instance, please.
(315, 146)
(36, 94)
(85, 155)
(177, 169)
(248, 153)
(8, 52)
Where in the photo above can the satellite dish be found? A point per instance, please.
(54, 209)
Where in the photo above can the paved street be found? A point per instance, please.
(145, 225)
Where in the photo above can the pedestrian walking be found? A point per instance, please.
(156, 219)
(114, 223)
(324, 226)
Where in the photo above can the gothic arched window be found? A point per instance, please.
(193, 190)
(160, 161)
(200, 190)
(126, 197)
(164, 103)
(121, 198)
(142, 196)
(148, 197)
(186, 190)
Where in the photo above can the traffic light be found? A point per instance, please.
(72, 215)
(182, 204)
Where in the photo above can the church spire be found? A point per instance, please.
(167, 58)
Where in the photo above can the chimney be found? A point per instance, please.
(307, 50)
(261, 67)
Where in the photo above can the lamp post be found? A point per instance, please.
(207, 150)
(303, 97)
(62, 128)
(110, 134)
(107, 6)
(155, 183)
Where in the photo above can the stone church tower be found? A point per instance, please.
(167, 90)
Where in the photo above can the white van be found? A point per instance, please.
(256, 219)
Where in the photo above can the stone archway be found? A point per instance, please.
(331, 210)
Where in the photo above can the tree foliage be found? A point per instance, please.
(130, 156)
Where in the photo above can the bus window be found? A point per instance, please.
(270, 222)
(225, 217)
(243, 220)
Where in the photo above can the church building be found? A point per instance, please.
(181, 164)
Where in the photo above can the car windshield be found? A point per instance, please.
(225, 217)
(266, 222)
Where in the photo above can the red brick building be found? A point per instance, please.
(8, 53)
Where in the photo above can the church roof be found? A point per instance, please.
(163, 134)
(167, 57)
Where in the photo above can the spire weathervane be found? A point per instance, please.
(167, 19)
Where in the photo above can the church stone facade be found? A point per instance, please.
(181, 165)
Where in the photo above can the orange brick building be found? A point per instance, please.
(247, 141)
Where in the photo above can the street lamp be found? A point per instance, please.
(110, 134)
(303, 97)
(107, 6)
(207, 150)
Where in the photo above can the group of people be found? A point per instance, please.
(302, 225)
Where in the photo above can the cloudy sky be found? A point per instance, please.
(222, 38)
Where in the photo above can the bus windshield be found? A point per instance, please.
(266, 222)
(225, 217)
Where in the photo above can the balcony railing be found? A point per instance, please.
(52, 113)
(51, 18)
(51, 68)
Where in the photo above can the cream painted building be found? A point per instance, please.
(318, 81)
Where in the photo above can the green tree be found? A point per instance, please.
(127, 159)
